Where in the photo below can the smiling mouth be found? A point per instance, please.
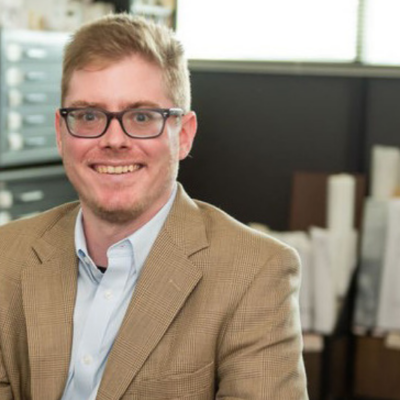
(116, 170)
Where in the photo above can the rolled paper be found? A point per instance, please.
(341, 198)
(373, 244)
(325, 311)
(389, 292)
(342, 236)
(385, 172)
(343, 258)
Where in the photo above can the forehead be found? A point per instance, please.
(130, 80)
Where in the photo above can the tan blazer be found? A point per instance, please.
(214, 314)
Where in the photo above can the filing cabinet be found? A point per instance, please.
(30, 79)
(28, 191)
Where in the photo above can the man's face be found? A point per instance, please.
(120, 179)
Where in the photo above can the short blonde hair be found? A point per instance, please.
(116, 36)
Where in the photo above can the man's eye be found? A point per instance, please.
(86, 116)
(89, 117)
(142, 117)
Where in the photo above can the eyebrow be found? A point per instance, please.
(137, 104)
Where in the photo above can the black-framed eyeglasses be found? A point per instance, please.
(137, 123)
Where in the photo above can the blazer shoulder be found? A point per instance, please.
(254, 247)
(19, 238)
(35, 226)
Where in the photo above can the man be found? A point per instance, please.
(137, 291)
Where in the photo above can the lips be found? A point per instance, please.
(116, 169)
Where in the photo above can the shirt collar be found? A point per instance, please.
(141, 240)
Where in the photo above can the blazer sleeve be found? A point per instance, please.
(5, 387)
(261, 350)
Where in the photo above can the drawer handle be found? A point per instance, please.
(37, 54)
(36, 97)
(38, 141)
(37, 119)
(34, 195)
(36, 76)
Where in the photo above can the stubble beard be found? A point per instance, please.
(115, 216)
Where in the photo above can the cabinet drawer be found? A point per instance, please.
(30, 191)
(21, 46)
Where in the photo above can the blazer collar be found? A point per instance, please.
(167, 279)
(49, 285)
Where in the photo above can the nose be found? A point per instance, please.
(115, 137)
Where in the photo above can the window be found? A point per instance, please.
(308, 30)
(334, 31)
(381, 32)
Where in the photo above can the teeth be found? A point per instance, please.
(109, 169)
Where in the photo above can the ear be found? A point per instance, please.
(57, 125)
(187, 134)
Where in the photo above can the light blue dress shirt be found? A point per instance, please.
(102, 300)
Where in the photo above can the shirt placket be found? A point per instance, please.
(92, 352)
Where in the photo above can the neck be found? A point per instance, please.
(100, 234)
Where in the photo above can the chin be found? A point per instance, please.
(119, 216)
(117, 212)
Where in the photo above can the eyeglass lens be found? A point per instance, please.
(93, 122)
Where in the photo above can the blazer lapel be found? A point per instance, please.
(48, 291)
(166, 281)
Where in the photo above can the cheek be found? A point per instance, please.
(163, 149)
(73, 153)
(67, 150)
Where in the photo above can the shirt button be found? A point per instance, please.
(87, 359)
(108, 294)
